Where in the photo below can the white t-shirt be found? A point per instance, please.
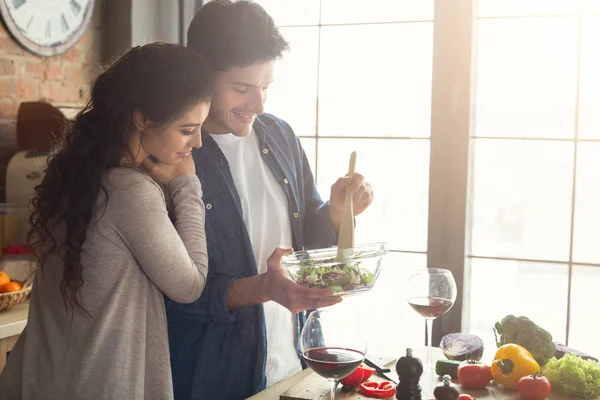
(266, 214)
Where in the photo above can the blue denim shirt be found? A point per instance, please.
(217, 353)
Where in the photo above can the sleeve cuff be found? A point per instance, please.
(218, 305)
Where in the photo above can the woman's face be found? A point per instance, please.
(171, 143)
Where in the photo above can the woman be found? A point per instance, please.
(106, 245)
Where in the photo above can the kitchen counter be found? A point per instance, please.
(306, 381)
(13, 320)
(12, 323)
(274, 392)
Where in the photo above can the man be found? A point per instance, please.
(259, 191)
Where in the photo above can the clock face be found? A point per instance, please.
(47, 27)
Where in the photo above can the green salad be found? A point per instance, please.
(341, 277)
(574, 376)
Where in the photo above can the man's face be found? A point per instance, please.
(238, 97)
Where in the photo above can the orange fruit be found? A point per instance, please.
(3, 278)
(10, 287)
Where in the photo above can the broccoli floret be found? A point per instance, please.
(524, 332)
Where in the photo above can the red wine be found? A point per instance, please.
(430, 307)
(333, 362)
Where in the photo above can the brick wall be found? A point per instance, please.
(61, 80)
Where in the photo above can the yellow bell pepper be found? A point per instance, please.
(511, 363)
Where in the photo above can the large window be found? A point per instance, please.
(535, 198)
(478, 124)
(360, 79)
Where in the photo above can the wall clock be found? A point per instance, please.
(47, 27)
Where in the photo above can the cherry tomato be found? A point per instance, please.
(534, 387)
(465, 396)
(473, 374)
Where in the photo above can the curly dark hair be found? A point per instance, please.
(235, 34)
(161, 80)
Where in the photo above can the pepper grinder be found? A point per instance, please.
(409, 371)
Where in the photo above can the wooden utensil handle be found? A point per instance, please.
(352, 165)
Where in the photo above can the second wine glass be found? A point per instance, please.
(431, 292)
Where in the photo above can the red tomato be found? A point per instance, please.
(534, 387)
(465, 396)
(473, 374)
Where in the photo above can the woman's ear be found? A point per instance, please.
(139, 120)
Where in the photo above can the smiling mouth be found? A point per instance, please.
(245, 118)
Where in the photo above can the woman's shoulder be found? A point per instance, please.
(130, 182)
(127, 176)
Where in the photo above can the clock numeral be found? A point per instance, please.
(18, 3)
(29, 22)
(75, 7)
(49, 29)
(63, 23)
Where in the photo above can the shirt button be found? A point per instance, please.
(208, 206)
(296, 215)
(265, 151)
(286, 181)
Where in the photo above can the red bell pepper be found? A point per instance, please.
(378, 390)
(360, 374)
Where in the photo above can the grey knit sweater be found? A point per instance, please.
(130, 257)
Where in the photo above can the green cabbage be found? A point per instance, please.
(574, 376)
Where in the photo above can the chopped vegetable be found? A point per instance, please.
(462, 346)
(561, 350)
(511, 363)
(465, 396)
(360, 374)
(534, 387)
(473, 374)
(339, 277)
(522, 331)
(378, 390)
(574, 376)
(447, 367)
(446, 391)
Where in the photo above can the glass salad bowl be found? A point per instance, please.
(346, 275)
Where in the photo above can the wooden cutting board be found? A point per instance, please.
(315, 387)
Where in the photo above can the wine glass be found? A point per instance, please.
(431, 292)
(333, 344)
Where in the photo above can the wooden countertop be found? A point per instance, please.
(429, 380)
(13, 320)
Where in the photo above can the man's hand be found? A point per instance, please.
(164, 173)
(281, 289)
(358, 188)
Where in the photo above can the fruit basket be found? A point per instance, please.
(11, 299)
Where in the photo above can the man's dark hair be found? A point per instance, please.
(236, 34)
